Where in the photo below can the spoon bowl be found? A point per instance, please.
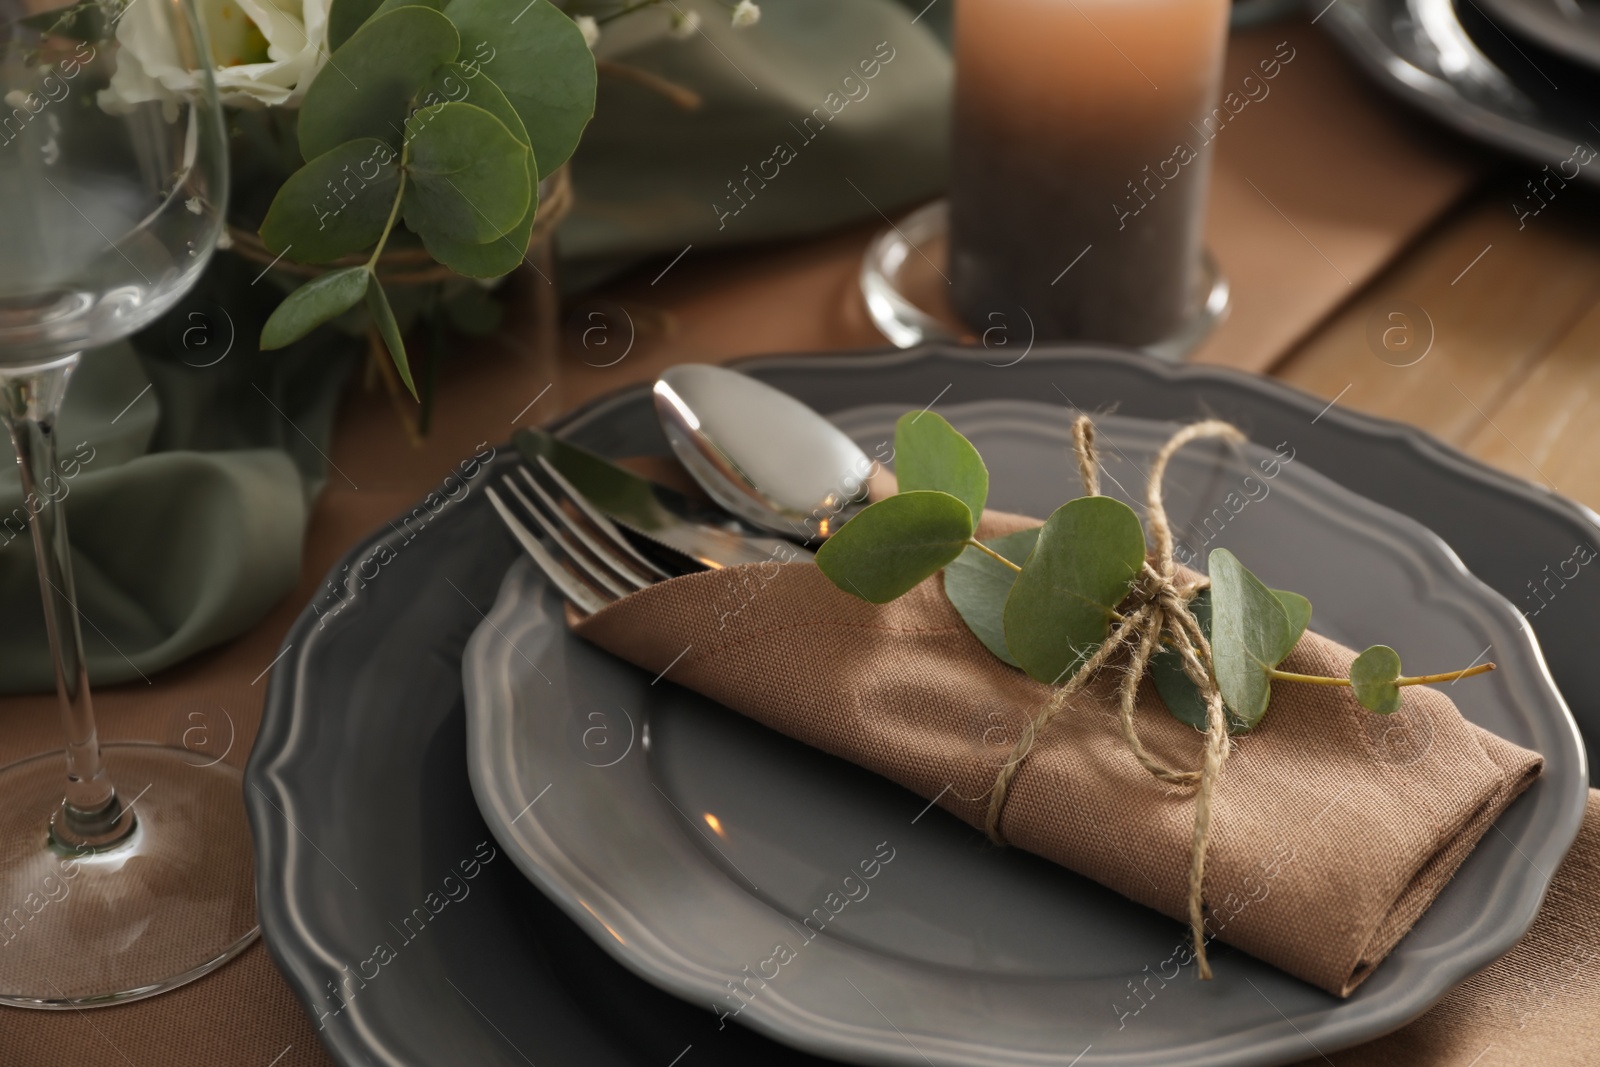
(760, 453)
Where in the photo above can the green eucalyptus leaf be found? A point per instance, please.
(1373, 675)
(469, 174)
(489, 259)
(314, 303)
(1088, 554)
(463, 83)
(389, 330)
(978, 585)
(894, 545)
(334, 205)
(411, 305)
(345, 18)
(1179, 693)
(930, 454)
(390, 5)
(1297, 609)
(539, 58)
(367, 86)
(1252, 629)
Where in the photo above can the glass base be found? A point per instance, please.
(170, 901)
(907, 294)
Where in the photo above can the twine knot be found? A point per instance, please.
(1154, 613)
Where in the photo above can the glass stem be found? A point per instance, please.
(30, 401)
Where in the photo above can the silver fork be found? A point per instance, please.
(587, 557)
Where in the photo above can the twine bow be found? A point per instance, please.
(1156, 611)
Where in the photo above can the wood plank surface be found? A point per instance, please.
(1317, 187)
(1547, 429)
(1511, 314)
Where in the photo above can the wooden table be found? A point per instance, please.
(1332, 210)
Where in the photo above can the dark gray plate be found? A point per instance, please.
(1568, 27)
(963, 955)
(363, 742)
(1418, 50)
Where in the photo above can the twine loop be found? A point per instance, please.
(1155, 613)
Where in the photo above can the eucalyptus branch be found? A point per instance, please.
(1058, 587)
(398, 120)
(1419, 679)
(1212, 654)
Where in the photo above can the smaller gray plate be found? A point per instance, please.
(689, 841)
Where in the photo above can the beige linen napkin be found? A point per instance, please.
(1334, 829)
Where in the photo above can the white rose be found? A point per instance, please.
(265, 52)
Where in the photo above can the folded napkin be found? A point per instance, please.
(1333, 829)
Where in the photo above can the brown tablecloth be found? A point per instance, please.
(1351, 182)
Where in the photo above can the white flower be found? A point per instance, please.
(589, 28)
(685, 24)
(745, 14)
(265, 52)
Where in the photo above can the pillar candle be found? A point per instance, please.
(1081, 159)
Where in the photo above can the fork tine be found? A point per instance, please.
(597, 572)
(585, 598)
(594, 515)
(610, 554)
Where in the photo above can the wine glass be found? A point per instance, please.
(125, 869)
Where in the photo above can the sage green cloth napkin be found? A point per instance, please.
(824, 113)
(188, 475)
(186, 492)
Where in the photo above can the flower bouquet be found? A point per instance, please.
(391, 161)
(388, 158)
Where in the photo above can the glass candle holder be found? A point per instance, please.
(1081, 160)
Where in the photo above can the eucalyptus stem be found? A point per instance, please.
(394, 210)
(1305, 679)
(1421, 679)
(1448, 676)
(981, 547)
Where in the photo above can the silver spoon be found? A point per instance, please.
(760, 453)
